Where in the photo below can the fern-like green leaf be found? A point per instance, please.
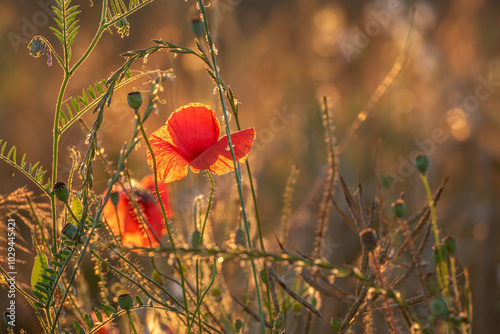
(99, 88)
(23, 162)
(64, 118)
(70, 112)
(83, 98)
(98, 314)
(39, 267)
(89, 321)
(78, 327)
(91, 92)
(90, 98)
(77, 209)
(75, 104)
(66, 25)
(12, 149)
(34, 174)
(44, 279)
(32, 169)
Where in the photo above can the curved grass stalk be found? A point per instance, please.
(236, 164)
(169, 232)
(200, 302)
(442, 266)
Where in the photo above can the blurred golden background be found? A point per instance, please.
(280, 57)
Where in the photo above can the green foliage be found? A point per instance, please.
(35, 173)
(67, 25)
(46, 278)
(76, 207)
(39, 266)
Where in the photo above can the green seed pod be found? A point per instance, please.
(195, 239)
(369, 239)
(216, 293)
(336, 324)
(70, 231)
(197, 26)
(115, 198)
(134, 100)
(451, 244)
(439, 308)
(296, 306)
(422, 163)
(444, 254)
(240, 238)
(125, 301)
(238, 324)
(61, 191)
(399, 208)
(432, 283)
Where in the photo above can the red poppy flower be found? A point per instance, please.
(190, 137)
(124, 219)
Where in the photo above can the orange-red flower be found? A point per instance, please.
(124, 220)
(190, 137)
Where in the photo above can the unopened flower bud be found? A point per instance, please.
(369, 239)
(437, 256)
(439, 308)
(422, 162)
(432, 283)
(134, 100)
(451, 244)
(70, 231)
(115, 198)
(61, 191)
(195, 239)
(240, 238)
(296, 306)
(125, 301)
(336, 324)
(238, 324)
(399, 208)
(197, 26)
(216, 293)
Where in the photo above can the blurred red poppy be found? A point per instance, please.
(124, 219)
(190, 137)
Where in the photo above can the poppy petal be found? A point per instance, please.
(148, 183)
(171, 164)
(193, 128)
(218, 157)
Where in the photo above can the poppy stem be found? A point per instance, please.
(131, 322)
(160, 201)
(442, 266)
(208, 206)
(236, 163)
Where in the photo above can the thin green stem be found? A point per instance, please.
(441, 267)
(131, 322)
(231, 148)
(208, 207)
(56, 132)
(454, 282)
(158, 195)
(97, 37)
(200, 302)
